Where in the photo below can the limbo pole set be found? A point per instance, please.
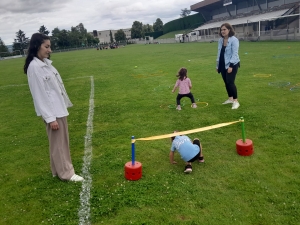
(133, 169)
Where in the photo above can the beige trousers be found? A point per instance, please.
(60, 159)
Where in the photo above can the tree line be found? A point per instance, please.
(60, 39)
(78, 36)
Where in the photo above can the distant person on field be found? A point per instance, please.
(51, 102)
(228, 62)
(188, 150)
(184, 83)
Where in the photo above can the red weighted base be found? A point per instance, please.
(133, 172)
(244, 149)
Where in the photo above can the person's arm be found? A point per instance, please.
(172, 157)
(234, 54)
(220, 42)
(190, 84)
(175, 86)
(174, 89)
(39, 94)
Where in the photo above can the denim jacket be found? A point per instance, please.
(231, 52)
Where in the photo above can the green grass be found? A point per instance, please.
(227, 189)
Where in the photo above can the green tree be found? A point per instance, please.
(80, 28)
(91, 40)
(75, 37)
(78, 35)
(147, 28)
(21, 41)
(3, 47)
(60, 38)
(120, 35)
(55, 38)
(185, 12)
(136, 29)
(158, 25)
(43, 30)
(111, 37)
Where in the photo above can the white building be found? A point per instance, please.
(104, 35)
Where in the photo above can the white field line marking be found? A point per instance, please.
(84, 210)
(19, 85)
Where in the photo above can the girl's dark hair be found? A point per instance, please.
(182, 73)
(35, 43)
(229, 27)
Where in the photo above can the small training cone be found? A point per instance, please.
(244, 149)
(133, 172)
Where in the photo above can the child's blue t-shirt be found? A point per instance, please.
(185, 147)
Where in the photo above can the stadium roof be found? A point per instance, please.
(244, 20)
(207, 4)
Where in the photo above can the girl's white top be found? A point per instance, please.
(47, 89)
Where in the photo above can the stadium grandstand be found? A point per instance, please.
(251, 19)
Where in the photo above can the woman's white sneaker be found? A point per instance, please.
(235, 105)
(76, 178)
(228, 101)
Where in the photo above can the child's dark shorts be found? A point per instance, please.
(196, 142)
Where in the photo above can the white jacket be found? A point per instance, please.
(47, 89)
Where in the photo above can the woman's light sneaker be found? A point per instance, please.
(228, 101)
(235, 105)
(76, 178)
(178, 107)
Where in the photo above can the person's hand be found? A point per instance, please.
(172, 91)
(217, 70)
(54, 125)
(229, 70)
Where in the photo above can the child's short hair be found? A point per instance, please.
(172, 138)
(182, 73)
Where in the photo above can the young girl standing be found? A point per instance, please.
(184, 83)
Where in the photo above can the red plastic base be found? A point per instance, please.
(133, 172)
(244, 149)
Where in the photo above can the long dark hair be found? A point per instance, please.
(35, 43)
(182, 73)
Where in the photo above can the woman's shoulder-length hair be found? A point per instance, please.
(229, 27)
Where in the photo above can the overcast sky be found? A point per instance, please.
(30, 15)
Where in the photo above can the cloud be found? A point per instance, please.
(30, 15)
(31, 6)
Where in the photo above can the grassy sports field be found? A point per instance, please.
(132, 96)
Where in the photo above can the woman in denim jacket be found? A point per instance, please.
(228, 62)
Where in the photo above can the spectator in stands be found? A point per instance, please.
(51, 102)
(228, 62)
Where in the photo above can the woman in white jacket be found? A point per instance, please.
(51, 102)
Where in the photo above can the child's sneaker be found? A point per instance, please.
(188, 169)
(194, 105)
(201, 159)
(178, 107)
